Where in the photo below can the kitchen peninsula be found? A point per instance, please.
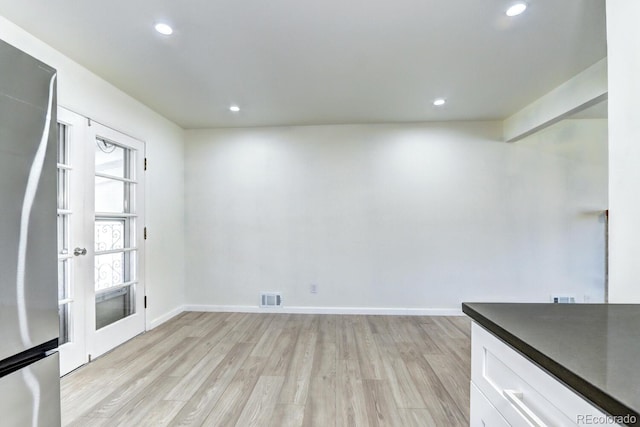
(555, 364)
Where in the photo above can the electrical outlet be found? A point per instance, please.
(314, 288)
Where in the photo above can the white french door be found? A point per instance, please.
(101, 241)
(71, 294)
(115, 308)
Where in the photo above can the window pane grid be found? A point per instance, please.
(116, 178)
(64, 234)
(115, 253)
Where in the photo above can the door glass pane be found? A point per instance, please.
(110, 195)
(62, 189)
(109, 271)
(113, 305)
(63, 312)
(111, 159)
(63, 149)
(63, 279)
(63, 235)
(110, 234)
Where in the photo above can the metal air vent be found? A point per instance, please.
(270, 299)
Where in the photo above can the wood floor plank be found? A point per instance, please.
(320, 408)
(368, 354)
(123, 357)
(81, 393)
(379, 324)
(297, 378)
(185, 363)
(287, 416)
(417, 418)
(204, 325)
(191, 381)
(403, 388)
(324, 360)
(408, 331)
(245, 369)
(449, 329)
(439, 402)
(463, 323)
(108, 406)
(453, 379)
(232, 401)
(205, 398)
(346, 339)
(327, 329)
(309, 322)
(261, 403)
(161, 413)
(281, 354)
(458, 350)
(381, 408)
(85, 422)
(350, 399)
(268, 337)
(137, 360)
(256, 326)
(135, 411)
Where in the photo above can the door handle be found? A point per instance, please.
(79, 251)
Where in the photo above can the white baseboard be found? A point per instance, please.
(328, 310)
(165, 317)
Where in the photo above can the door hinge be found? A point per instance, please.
(145, 233)
(89, 358)
(145, 163)
(89, 122)
(145, 301)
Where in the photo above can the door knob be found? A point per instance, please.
(79, 251)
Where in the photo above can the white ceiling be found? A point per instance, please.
(290, 62)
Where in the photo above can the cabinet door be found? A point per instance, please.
(483, 413)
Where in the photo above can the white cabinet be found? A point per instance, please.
(483, 413)
(509, 390)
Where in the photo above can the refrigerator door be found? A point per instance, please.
(31, 396)
(28, 264)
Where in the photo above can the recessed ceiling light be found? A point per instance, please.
(164, 29)
(516, 9)
(438, 102)
(234, 108)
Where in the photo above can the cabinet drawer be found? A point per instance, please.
(521, 391)
(483, 413)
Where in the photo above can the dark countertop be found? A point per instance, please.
(592, 348)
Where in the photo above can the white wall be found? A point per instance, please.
(623, 39)
(83, 92)
(419, 216)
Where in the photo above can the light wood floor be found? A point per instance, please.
(226, 369)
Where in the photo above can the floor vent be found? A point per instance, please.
(563, 299)
(270, 299)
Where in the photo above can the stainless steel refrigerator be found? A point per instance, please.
(29, 328)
